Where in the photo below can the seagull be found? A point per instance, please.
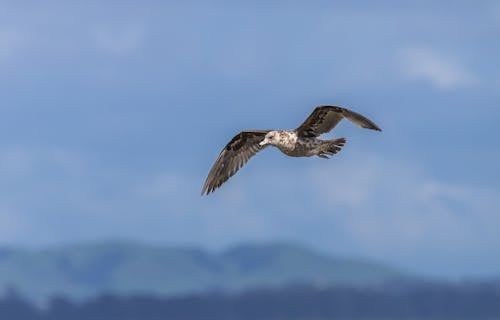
(300, 142)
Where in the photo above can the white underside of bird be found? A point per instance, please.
(292, 145)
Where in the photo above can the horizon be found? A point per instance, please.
(279, 244)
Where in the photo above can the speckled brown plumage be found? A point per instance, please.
(301, 142)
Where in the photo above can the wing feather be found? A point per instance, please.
(235, 155)
(325, 118)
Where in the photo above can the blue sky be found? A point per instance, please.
(112, 113)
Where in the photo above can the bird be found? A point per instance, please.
(300, 142)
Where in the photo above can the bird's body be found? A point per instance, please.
(300, 142)
(291, 144)
(287, 141)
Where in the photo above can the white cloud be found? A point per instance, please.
(441, 71)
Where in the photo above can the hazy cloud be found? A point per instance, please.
(24, 161)
(38, 186)
(443, 72)
(119, 41)
(394, 208)
(10, 42)
(376, 207)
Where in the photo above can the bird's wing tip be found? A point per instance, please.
(373, 126)
(204, 190)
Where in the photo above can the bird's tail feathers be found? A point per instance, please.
(331, 147)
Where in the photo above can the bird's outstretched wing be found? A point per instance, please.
(325, 118)
(235, 154)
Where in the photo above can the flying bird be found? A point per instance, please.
(300, 142)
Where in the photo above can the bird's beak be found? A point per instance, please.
(263, 142)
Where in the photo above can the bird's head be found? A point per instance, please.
(270, 138)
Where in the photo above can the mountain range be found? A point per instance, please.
(122, 268)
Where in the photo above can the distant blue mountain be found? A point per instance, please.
(82, 271)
